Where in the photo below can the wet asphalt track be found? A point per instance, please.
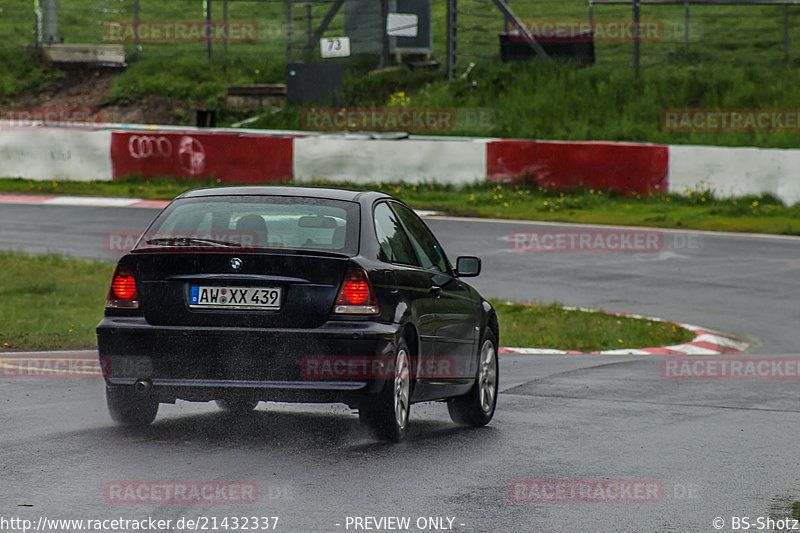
(718, 448)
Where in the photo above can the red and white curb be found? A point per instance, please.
(706, 342)
(81, 201)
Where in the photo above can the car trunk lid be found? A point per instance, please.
(219, 289)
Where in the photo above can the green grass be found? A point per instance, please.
(598, 103)
(24, 71)
(190, 78)
(164, 188)
(49, 302)
(552, 326)
(692, 210)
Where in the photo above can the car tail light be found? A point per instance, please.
(122, 294)
(356, 295)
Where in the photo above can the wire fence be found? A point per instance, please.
(635, 33)
(280, 28)
(739, 32)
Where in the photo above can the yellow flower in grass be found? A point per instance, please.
(399, 99)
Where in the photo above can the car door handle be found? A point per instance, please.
(435, 291)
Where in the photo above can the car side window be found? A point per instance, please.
(394, 243)
(428, 250)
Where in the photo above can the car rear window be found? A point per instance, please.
(258, 222)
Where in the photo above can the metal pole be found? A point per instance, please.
(309, 21)
(136, 23)
(326, 20)
(636, 19)
(51, 21)
(591, 16)
(451, 39)
(523, 31)
(225, 24)
(37, 5)
(288, 31)
(686, 22)
(786, 32)
(384, 34)
(208, 30)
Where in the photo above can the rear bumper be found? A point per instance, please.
(204, 363)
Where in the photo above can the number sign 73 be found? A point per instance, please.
(335, 47)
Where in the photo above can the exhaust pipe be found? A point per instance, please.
(142, 386)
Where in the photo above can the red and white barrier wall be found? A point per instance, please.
(735, 171)
(253, 156)
(361, 159)
(55, 154)
(239, 158)
(629, 168)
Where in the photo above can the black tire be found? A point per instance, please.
(386, 414)
(128, 408)
(476, 408)
(237, 406)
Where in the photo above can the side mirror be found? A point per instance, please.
(468, 266)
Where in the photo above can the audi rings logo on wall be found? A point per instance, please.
(146, 146)
(191, 154)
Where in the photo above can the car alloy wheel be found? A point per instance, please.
(476, 408)
(487, 377)
(386, 414)
(402, 389)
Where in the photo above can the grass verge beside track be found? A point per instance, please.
(49, 303)
(53, 303)
(552, 326)
(693, 210)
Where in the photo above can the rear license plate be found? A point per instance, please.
(235, 297)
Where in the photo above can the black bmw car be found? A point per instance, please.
(293, 294)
